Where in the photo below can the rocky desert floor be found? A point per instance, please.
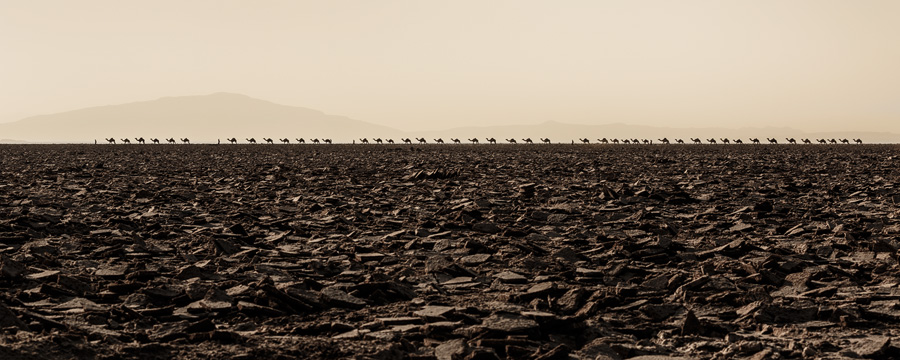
(449, 251)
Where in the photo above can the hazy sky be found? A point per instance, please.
(423, 65)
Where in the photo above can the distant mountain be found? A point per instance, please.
(219, 116)
(559, 132)
(206, 118)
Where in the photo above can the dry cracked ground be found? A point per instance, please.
(449, 252)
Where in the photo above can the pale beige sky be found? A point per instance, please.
(426, 65)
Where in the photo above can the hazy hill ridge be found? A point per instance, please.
(205, 118)
(219, 116)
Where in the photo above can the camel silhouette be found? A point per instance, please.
(455, 141)
(232, 140)
(511, 141)
(754, 140)
(300, 141)
(421, 140)
(186, 141)
(738, 141)
(772, 141)
(857, 141)
(251, 140)
(140, 140)
(584, 141)
(791, 140)
(126, 141)
(285, 141)
(664, 140)
(492, 140)
(407, 141)
(439, 140)
(110, 140)
(474, 141)
(545, 141)
(679, 141)
(154, 140)
(170, 140)
(528, 141)
(695, 141)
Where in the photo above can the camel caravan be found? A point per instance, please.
(493, 141)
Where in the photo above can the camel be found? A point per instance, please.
(439, 140)
(364, 140)
(126, 141)
(140, 140)
(754, 140)
(268, 140)
(832, 141)
(679, 141)
(327, 141)
(603, 141)
(772, 141)
(664, 140)
(111, 140)
(421, 141)
(186, 141)
(695, 141)
(584, 141)
(170, 140)
(390, 141)
(806, 141)
(155, 140)
(300, 141)
(821, 141)
(492, 140)
(407, 141)
(545, 141)
(626, 141)
(858, 141)
(232, 140)
(725, 141)
(528, 141)
(378, 140)
(511, 141)
(791, 141)
(845, 141)
(251, 140)
(711, 141)
(474, 141)
(635, 141)
(455, 141)
(738, 141)
(285, 141)
(615, 141)
(647, 142)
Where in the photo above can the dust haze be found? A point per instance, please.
(414, 66)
